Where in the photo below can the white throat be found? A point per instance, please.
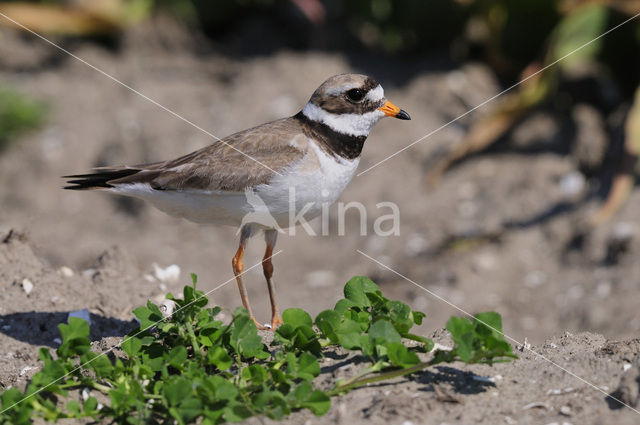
(351, 124)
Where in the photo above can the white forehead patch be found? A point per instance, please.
(376, 94)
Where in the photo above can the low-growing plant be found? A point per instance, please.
(192, 366)
(18, 114)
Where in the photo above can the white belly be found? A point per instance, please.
(316, 179)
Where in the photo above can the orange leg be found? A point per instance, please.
(270, 238)
(238, 267)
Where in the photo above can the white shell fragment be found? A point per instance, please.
(167, 307)
(27, 286)
(82, 314)
(25, 370)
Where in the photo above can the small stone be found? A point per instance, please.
(565, 410)
(27, 286)
(417, 244)
(168, 274)
(66, 272)
(626, 367)
(572, 183)
(82, 314)
(57, 341)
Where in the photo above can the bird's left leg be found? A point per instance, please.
(270, 237)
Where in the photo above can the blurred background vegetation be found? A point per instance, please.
(517, 38)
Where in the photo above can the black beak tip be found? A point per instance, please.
(402, 115)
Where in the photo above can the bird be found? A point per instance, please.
(280, 167)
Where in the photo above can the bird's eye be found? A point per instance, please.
(355, 94)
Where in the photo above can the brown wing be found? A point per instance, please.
(259, 154)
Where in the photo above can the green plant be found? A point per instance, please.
(193, 367)
(18, 114)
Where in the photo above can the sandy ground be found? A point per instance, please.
(525, 197)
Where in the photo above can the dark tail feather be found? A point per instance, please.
(97, 180)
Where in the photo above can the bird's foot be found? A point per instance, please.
(259, 325)
(276, 321)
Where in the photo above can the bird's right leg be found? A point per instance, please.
(238, 267)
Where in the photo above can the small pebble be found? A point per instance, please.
(168, 274)
(565, 410)
(626, 367)
(572, 183)
(65, 271)
(491, 379)
(27, 286)
(57, 341)
(82, 314)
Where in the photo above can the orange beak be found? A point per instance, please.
(392, 110)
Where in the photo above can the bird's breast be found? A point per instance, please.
(317, 178)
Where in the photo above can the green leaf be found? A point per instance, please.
(177, 357)
(308, 367)
(400, 315)
(255, 373)
(356, 289)
(489, 323)
(90, 407)
(462, 334)
(400, 356)
(296, 317)
(148, 316)
(244, 337)
(187, 411)
(220, 358)
(417, 317)
(74, 408)
(318, 402)
(10, 397)
(302, 392)
(383, 332)
(328, 322)
(75, 337)
(100, 363)
(343, 305)
(350, 334)
(177, 390)
(577, 29)
(131, 346)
